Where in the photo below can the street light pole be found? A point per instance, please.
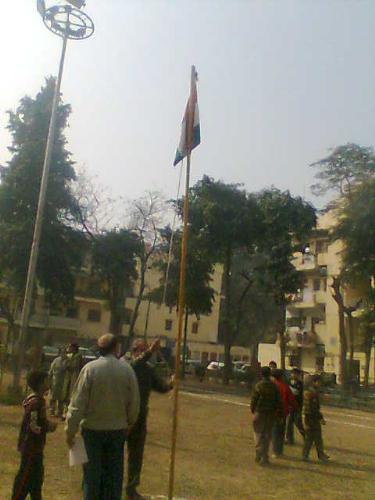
(58, 20)
(38, 222)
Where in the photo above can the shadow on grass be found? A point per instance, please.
(351, 452)
(324, 470)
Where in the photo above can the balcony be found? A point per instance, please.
(44, 320)
(307, 299)
(299, 339)
(305, 262)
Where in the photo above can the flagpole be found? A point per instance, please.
(181, 292)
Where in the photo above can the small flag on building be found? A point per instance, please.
(190, 127)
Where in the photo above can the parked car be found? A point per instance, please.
(49, 353)
(87, 354)
(246, 373)
(191, 366)
(215, 367)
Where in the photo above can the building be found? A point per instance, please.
(312, 320)
(89, 317)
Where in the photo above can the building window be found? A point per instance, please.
(316, 284)
(194, 327)
(324, 284)
(321, 246)
(168, 324)
(72, 312)
(323, 270)
(213, 356)
(94, 315)
(204, 357)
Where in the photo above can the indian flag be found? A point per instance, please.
(190, 127)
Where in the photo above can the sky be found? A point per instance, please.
(280, 82)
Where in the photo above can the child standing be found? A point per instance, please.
(313, 419)
(32, 439)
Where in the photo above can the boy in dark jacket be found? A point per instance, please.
(266, 407)
(32, 439)
(313, 419)
(295, 415)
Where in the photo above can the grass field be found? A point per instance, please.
(215, 458)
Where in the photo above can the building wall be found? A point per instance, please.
(319, 303)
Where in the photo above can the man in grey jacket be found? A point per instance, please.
(105, 404)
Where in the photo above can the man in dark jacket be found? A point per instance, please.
(295, 415)
(148, 380)
(313, 419)
(265, 406)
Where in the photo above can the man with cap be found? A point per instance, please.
(105, 404)
(148, 380)
(265, 407)
(313, 419)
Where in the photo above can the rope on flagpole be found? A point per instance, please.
(170, 251)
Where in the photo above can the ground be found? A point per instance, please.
(215, 458)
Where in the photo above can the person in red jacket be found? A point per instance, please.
(289, 403)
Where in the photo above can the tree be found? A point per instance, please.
(288, 222)
(350, 171)
(61, 245)
(344, 168)
(199, 294)
(145, 218)
(254, 310)
(356, 228)
(114, 263)
(225, 219)
(367, 329)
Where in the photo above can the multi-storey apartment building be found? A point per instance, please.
(312, 320)
(89, 317)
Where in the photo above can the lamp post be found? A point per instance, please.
(70, 24)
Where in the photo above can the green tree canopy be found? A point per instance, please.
(61, 243)
(345, 167)
(199, 294)
(114, 263)
(356, 228)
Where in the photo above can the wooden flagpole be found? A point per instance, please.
(181, 292)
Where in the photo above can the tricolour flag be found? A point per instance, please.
(190, 127)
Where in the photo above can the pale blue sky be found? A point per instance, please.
(280, 82)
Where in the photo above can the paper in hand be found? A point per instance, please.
(77, 453)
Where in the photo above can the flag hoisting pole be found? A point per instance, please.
(181, 292)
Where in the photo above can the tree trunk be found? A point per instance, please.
(138, 302)
(367, 365)
(343, 349)
(227, 363)
(116, 307)
(337, 295)
(254, 355)
(184, 344)
(227, 315)
(281, 331)
(351, 345)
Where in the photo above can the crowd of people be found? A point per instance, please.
(106, 401)
(277, 407)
